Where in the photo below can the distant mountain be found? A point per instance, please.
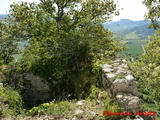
(2, 16)
(130, 29)
(135, 33)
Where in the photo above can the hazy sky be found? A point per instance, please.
(5, 4)
(132, 9)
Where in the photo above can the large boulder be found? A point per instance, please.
(125, 86)
(131, 103)
(35, 90)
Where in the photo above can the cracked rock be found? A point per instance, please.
(79, 112)
(128, 101)
(124, 85)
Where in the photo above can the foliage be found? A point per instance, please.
(147, 71)
(3, 16)
(64, 41)
(53, 108)
(113, 107)
(67, 108)
(93, 93)
(153, 12)
(8, 46)
(152, 107)
(108, 104)
(97, 71)
(10, 102)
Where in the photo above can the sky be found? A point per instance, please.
(132, 9)
(5, 4)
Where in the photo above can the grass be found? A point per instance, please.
(92, 107)
(153, 108)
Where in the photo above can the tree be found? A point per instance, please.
(147, 70)
(65, 37)
(8, 46)
(153, 7)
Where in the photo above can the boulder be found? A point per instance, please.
(35, 89)
(108, 79)
(124, 85)
(128, 101)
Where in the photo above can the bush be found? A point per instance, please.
(147, 71)
(53, 108)
(65, 43)
(10, 102)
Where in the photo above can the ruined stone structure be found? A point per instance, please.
(120, 84)
(35, 89)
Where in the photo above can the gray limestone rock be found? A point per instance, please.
(124, 61)
(110, 75)
(129, 77)
(107, 70)
(119, 82)
(124, 85)
(106, 66)
(121, 72)
(128, 101)
(78, 112)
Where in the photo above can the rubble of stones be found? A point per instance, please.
(121, 85)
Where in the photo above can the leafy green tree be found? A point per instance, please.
(65, 38)
(153, 7)
(8, 46)
(147, 71)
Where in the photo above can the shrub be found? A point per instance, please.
(147, 71)
(10, 102)
(64, 43)
(52, 108)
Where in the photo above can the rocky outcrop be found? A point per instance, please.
(120, 84)
(35, 89)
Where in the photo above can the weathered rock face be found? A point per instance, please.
(124, 86)
(35, 91)
(119, 83)
(129, 101)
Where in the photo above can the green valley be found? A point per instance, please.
(135, 34)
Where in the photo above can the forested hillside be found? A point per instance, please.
(135, 33)
(125, 27)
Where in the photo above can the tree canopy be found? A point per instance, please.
(8, 45)
(65, 39)
(153, 13)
